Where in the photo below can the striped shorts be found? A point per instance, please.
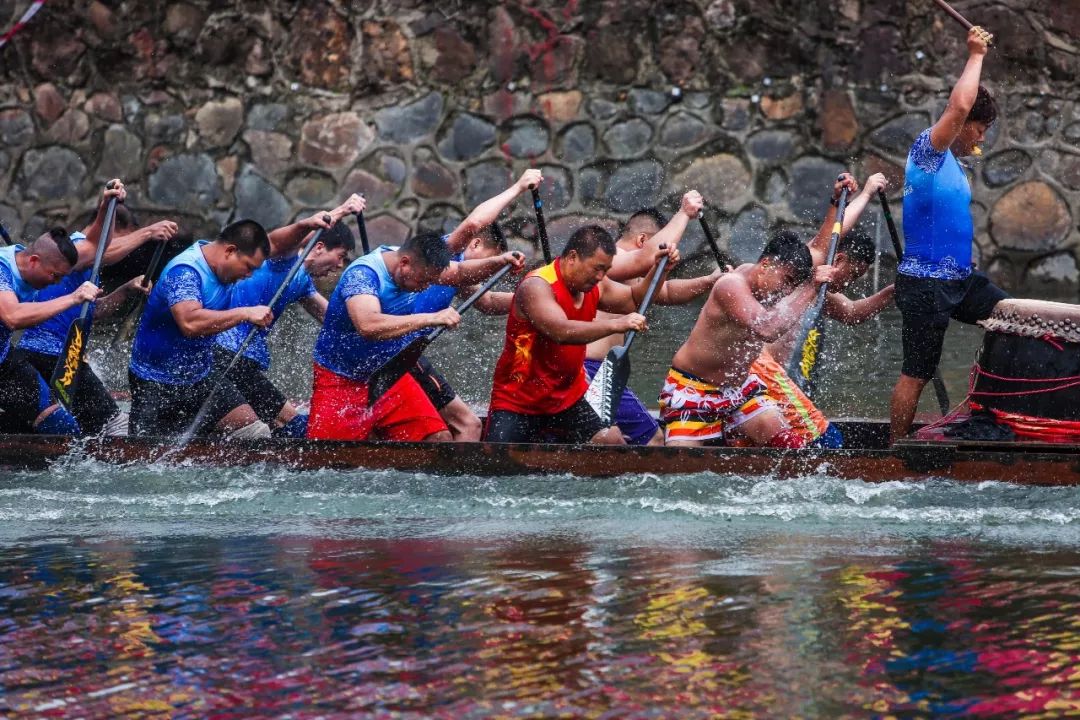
(694, 409)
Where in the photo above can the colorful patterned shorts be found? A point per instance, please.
(693, 409)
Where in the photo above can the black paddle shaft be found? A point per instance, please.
(941, 393)
(541, 226)
(362, 227)
(722, 260)
(200, 416)
(811, 317)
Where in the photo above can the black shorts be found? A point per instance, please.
(92, 405)
(576, 424)
(439, 391)
(162, 409)
(23, 394)
(926, 306)
(250, 380)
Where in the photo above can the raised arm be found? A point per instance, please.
(820, 243)
(680, 292)
(488, 211)
(852, 312)
(962, 99)
(470, 272)
(536, 302)
(285, 241)
(88, 248)
(858, 205)
(315, 305)
(635, 264)
(121, 246)
(733, 295)
(108, 305)
(616, 297)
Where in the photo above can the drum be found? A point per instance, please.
(1029, 363)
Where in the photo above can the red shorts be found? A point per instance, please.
(339, 411)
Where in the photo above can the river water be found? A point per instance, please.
(258, 592)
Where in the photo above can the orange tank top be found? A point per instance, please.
(535, 375)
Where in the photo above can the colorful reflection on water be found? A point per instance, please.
(536, 625)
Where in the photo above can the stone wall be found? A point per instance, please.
(276, 108)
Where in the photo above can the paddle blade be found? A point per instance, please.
(66, 374)
(607, 385)
(395, 368)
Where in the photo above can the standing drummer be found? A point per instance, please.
(936, 280)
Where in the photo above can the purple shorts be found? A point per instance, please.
(632, 417)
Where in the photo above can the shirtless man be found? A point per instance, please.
(636, 248)
(709, 394)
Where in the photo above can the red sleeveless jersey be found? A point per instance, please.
(535, 375)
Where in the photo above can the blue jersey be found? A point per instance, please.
(437, 297)
(258, 290)
(938, 229)
(11, 280)
(160, 352)
(343, 350)
(49, 336)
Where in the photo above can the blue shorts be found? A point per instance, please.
(831, 439)
(632, 417)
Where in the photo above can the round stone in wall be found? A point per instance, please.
(52, 173)
(557, 189)
(406, 123)
(465, 137)
(185, 182)
(1032, 217)
(1005, 167)
(526, 137)
(1058, 269)
(311, 189)
(16, 127)
(648, 102)
(576, 144)
(683, 130)
(722, 179)
(771, 146)
(590, 183)
(634, 185)
(749, 234)
(628, 139)
(485, 180)
(430, 179)
(121, 155)
(897, 135)
(258, 200)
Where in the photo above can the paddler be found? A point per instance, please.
(856, 252)
(936, 279)
(539, 386)
(709, 393)
(25, 402)
(93, 405)
(635, 252)
(172, 357)
(248, 375)
(370, 318)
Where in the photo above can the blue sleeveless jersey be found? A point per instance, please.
(340, 348)
(257, 290)
(938, 229)
(161, 353)
(11, 280)
(437, 297)
(49, 336)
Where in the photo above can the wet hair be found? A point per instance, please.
(587, 240)
(985, 109)
(339, 236)
(124, 220)
(61, 240)
(858, 245)
(248, 236)
(649, 215)
(429, 249)
(785, 248)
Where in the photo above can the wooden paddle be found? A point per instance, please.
(4, 235)
(200, 417)
(610, 380)
(123, 332)
(387, 374)
(804, 355)
(362, 227)
(65, 376)
(954, 14)
(940, 391)
(541, 226)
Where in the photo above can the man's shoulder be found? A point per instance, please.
(924, 155)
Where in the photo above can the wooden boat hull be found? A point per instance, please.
(1024, 463)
